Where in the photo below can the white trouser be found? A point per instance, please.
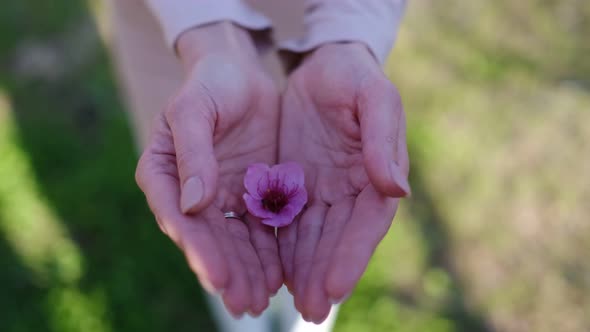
(281, 314)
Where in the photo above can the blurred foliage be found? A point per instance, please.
(494, 238)
(78, 248)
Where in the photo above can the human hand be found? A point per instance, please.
(224, 118)
(343, 121)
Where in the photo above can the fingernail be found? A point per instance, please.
(239, 316)
(400, 179)
(192, 193)
(321, 319)
(253, 314)
(341, 299)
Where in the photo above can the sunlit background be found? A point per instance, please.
(495, 238)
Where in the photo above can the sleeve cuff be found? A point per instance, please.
(372, 22)
(177, 16)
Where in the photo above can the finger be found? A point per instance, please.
(241, 238)
(157, 177)
(287, 237)
(382, 121)
(192, 123)
(370, 220)
(309, 229)
(196, 240)
(316, 302)
(264, 240)
(237, 296)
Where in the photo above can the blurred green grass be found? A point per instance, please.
(494, 238)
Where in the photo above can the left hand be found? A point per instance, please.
(343, 121)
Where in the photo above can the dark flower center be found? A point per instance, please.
(277, 195)
(274, 200)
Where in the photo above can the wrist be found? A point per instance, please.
(219, 38)
(339, 49)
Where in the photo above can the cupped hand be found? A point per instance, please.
(343, 121)
(224, 118)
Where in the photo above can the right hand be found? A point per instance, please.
(224, 118)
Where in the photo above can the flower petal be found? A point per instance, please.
(283, 218)
(297, 202)
(255, 207)
(256, 179)
(290, 173)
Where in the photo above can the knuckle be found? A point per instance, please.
(140, 172)
(185, 157)
(177, 109)
(379, 87)
(150, 165)
(198, 105)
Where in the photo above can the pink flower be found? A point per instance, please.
(275, 194)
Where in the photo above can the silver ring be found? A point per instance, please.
(232, 215)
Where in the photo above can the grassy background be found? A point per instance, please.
(495, 237)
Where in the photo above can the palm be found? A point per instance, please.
(324, 137)
(326, 250)
(246, 133)
(236, 112)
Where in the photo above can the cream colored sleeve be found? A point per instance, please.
(177, 16)
(373, 22)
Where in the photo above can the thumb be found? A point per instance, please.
(383, 134)
(192, 124)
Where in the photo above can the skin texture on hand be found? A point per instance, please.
(343, 121)
(224, 118)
